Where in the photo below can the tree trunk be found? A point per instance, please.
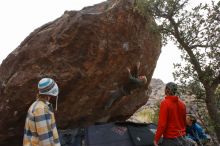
(213, 110)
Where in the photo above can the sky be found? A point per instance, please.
(20, 17)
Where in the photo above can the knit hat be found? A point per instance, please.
(172, 87)
(48, 86)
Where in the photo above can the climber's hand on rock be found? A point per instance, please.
(143, 78)
(128, 69)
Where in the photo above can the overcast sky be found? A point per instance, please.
(20, 17)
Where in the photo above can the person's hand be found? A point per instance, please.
(128, 69)
(155, 143)
(143, 78)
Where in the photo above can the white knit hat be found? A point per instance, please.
(48, 86)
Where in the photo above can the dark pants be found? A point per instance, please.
(180, 141)
(114, 95)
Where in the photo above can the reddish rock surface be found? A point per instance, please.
(86, 52)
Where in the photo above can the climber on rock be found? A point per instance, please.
(134, 81)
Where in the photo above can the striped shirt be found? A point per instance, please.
(40, 127)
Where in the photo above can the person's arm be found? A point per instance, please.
(190, 132)
(191, 137)
(200, 131)
(134, 79)
(162, 122)
(44, 127)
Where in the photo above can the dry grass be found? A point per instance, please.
(146, 116)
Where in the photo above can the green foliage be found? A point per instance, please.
(196, 32)
(141, 7)
(197, 29)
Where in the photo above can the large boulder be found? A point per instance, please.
(86, 52)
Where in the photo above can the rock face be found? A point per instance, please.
(86, 52)
(157, 92)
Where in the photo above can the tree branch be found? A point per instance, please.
(189, 51)
(199, 45)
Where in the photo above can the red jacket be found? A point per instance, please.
(172, 118)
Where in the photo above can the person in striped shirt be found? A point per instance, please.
(40, 126)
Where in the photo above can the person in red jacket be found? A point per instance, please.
(172, 119)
